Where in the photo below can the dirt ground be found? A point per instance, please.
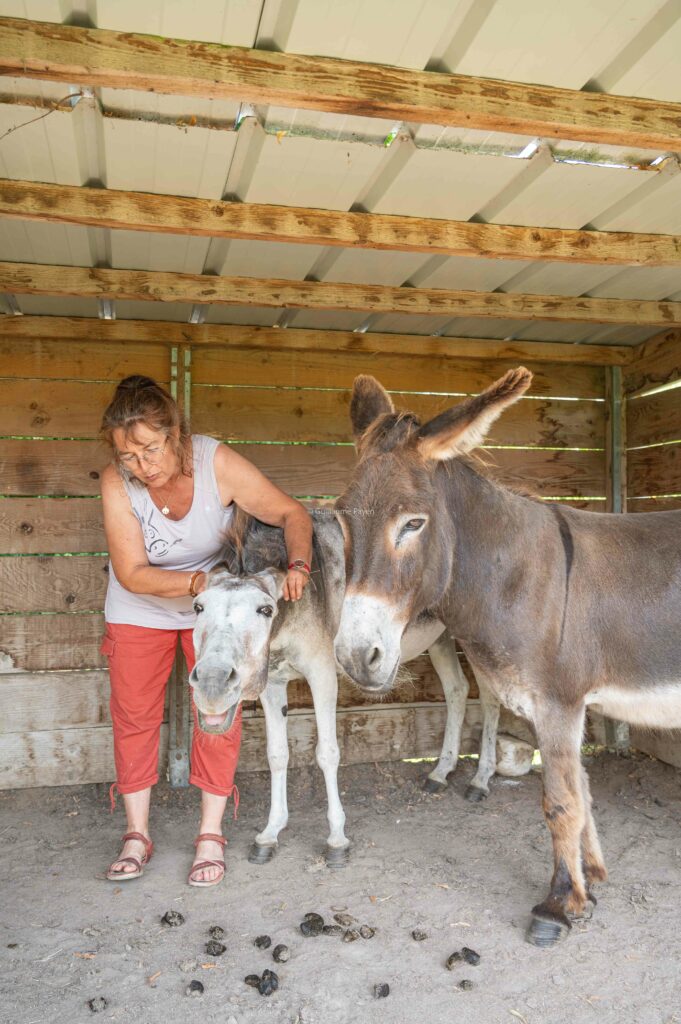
(466, 875)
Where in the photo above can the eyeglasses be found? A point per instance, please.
(151, 455)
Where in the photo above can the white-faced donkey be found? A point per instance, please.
(250, 644)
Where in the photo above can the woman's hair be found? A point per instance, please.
(140, 400)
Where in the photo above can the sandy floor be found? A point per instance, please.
(467, 875)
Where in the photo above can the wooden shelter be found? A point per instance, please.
(254, 224)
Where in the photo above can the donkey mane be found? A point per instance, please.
(251, 545)
(477, 462)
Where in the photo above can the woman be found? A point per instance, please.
(167, 499)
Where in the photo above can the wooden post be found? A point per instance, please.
(615, 441)
(179, 704)
(616, 733)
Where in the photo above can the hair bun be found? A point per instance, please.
(136, 382)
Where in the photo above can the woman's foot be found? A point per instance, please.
(136, 852)
(208, 867)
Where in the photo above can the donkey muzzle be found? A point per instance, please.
(216, 688)
(368, 667)
(368, 642)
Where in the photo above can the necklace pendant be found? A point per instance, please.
(165, 510)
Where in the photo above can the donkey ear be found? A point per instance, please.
(273, 580)
(464, 427)
(369, 401)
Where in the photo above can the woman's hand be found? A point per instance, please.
(294, 584)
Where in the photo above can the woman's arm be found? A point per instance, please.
(126, 546)
(240, 481)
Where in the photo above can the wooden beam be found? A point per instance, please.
(94, 333)
(279, 293)
(126, 60)
(178, 215)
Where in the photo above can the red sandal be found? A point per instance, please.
(208, 863)
(124, 876)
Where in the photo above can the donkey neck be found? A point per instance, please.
(501, 542)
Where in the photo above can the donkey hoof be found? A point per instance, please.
(261, 854)
(433, 786)
(475, 795)
(337, 857)
(545, 932)
(585, 914)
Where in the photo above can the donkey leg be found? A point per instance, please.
(323, 683)
(593, 864)
(273, 700)
(564, 810)
(455, 685)
(487, 763)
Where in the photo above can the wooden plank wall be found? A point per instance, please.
(653, 425)
(285, 409)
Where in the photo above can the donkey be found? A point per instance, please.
(554, 607)
(249, 645)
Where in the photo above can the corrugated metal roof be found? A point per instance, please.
(139, 141)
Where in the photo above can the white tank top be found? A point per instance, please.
(194, 542)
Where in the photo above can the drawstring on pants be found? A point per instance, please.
(112, 788)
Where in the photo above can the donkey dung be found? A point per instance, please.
(345, 919)
(97, 1004)
(269, 983)
(382, 990)
(216, 932)
(332, 929)
(194, 988)
(351, 935)
(418, 935)
(470, 956)
(465, 955)
(263, 942)
(281, 954)
(214, 948)
(172, 918)
(312, 925)
(465, 985)
(253, 980)
(367, 932)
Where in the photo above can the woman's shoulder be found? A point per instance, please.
(204, 441)
(114, 486)
(111, 479)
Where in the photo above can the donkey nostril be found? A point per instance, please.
(375, 657)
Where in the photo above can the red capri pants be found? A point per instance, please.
(140, 662)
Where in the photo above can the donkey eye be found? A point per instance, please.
(412, 525)
(198, 608)
(266, 610)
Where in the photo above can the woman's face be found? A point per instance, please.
(148, 454)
